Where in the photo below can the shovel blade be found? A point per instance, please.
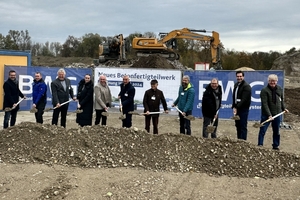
(257, 125)
(78, 111)
(122, 117)
(190, 117)
(236, 117)
(210, 129)
(48, 109)
(7, 109)
(33, 110)
(133, 113)
(105, 114)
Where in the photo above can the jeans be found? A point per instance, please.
(12, 116)
(185, 124)
(207, 121)
(241, 125)
(40, 111)
(99, 116)
(127, 122)
(154, 123)
(275, 128)
(63, 110)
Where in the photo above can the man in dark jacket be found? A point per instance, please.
(61, 89)
(85, 97)
(241, 100)
(211, 103)
(185, 102)
(271, 105)
(39, 96)
(126, 95)
(11, 98)
(152, 99)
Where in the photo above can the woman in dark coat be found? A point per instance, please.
(85, 101)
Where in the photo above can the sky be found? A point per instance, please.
(243, 25)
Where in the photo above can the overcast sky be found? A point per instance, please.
(243, 25)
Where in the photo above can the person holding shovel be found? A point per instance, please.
(126, 95)
(271, 104)
(241, 100)
(11, 99)
(85, 97)
(102, 100)
(39, 97)
(61, 89)
(211, 103)
(151, 101)
(185, 102)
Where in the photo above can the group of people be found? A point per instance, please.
(99, 97)
(271, 104)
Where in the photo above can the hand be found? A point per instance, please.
(78, 106)
(167, 111)
(184, 114)
(24, 97)
(234, 111)
(147, 113)
(58, 105)
(106, 109)
(286, 110)
(33, 105)
(173, 105)
(74, 98)
(271, 118)
(14, 105)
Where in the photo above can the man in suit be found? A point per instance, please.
(11, 97)
(61, 89)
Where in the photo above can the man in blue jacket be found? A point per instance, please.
(39, 96)
(185, 102)
(11, 98)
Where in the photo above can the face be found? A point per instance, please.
(214, 84)
(37, 77)
(12, 76)
(61, 76)
(125, 80)
(239, 77)
(272, 83)
(87, 78)
(102, 80)
(154, 86)
(185, 82)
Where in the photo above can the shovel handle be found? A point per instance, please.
(273, 117)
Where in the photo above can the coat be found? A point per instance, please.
(127, 94)
(185, 99)
(268, 107)
(85, 97)
(103, 97)
(243, 96)
(59, 95)
(209, 106)
(39, 92)
(152, 100)
(11, 94)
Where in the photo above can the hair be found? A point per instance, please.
(214, 79)
(238, 72)
(186, 77)
(273, 77)
(61, 70)
(38, 73)
(11, 71)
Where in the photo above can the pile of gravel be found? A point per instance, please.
(107, 147)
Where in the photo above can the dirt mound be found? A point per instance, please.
(292, 99)
(102, 146)
(153, 61)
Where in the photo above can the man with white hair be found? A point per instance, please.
(61, 89)
(271, 104)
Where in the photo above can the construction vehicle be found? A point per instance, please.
(166, 46)
(114, 49)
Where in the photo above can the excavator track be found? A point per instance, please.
(168, 55)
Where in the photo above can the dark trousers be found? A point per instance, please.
(127, 122)
(275, 128)
(207, 121)
(154, 123)
(10, 116)
(185, 124)
(241, 125)
(63, 110)
(40, 111)
(99, 116)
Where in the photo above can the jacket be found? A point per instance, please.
(102, 100)
(209, 106)
(268, 107)
(127, 94)
(152, 99)
(185, 99)
(243, 96)
(11, 94)
(39, 92)
(59, 95)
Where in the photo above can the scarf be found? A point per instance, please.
(273, 90)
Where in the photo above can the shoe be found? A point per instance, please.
(260, 145)
(276, 148)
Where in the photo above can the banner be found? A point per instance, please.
(227, 79)
(25, 76)
(168, 82)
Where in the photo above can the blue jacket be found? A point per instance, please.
(185, 99)
(39, 92)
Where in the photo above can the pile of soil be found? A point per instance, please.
(154, 62)
(292, 99)
(107, 147)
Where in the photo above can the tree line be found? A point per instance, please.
(190, 51)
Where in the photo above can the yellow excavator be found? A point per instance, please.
(166, 46)
(113, 49)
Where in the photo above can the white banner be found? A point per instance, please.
(168, 81)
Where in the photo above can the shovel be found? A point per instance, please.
(10, 109)
(122, 116)
(258, 125)
(78, 111)
(189, 117)
(150, 113)
(33, 110)
(48, 109)
(211, 128)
